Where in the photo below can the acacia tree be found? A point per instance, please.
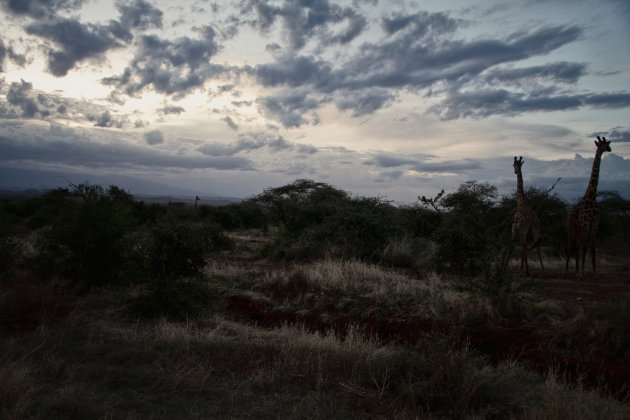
(470, 229)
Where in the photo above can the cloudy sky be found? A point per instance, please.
(382, 98)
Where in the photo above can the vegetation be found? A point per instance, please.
(305, 302)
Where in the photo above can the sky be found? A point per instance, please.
(394, 99)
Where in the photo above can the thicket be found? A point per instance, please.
(94, 236)
(88, 236)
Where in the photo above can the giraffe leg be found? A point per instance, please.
(524, 258)
(510, 249)
(593, 239)
(583, 252)
(569, 252)
(542, 267)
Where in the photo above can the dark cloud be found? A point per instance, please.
(306, 19)
(3, 54)
(484, 103)
(21, 95)
(76, 42)
(307, 149)
(39, 8)
(171, 109)
(10, 53)
(246, 143)
(608, 100)
(365, 102)
(230, 123)
(617, 134)
(563, 72)
(170, 67)
(153, 137)
(293, 71)
(391, 161)
(104, 119)
(74, 151)
(419, 25)
(139, 14)
(289, 108)
(418, 54)
(448, 166)
(22, 100)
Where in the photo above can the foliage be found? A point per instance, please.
(247, 214)
(172, 256)
(318, 219)
(86, 242)
(301, 204)
(472, 231)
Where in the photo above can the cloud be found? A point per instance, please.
(104, 119)
(448, 166)
(76, 42)
(70, 149)
(305, 20)
(391, 161)
(9, 52)
(289, 107)
(153, 137)
(365, 102)
(483, 103)
(563, 72)
(169, 67)
(23, 100)
(230, 123)
(19, 94)
(171, 109)
(417, 53)
(39, 8)
(139, 14)
(617, 134)
(291, 70)
(246, 143)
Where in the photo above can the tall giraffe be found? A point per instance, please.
(584, 217)
(525, 220)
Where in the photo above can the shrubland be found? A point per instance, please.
(303, 302)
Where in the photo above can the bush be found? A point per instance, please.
(172, 257)
(87, 242)
(472, 231)
(318, 220)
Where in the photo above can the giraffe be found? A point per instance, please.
(195, 209)
(525, 221)
(583, 219)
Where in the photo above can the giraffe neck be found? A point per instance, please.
(591, 191)
(520, 194)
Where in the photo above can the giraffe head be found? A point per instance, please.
(602, 144)
(517, 164)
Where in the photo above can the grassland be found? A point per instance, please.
(327, 337)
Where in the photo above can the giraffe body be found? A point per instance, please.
(583, 221)
(526, 221)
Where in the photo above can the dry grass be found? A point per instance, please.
(98, 364)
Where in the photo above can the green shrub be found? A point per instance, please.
(172, 257)
(87, 240)
(318, 220)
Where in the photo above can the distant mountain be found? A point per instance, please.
(31, 182)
